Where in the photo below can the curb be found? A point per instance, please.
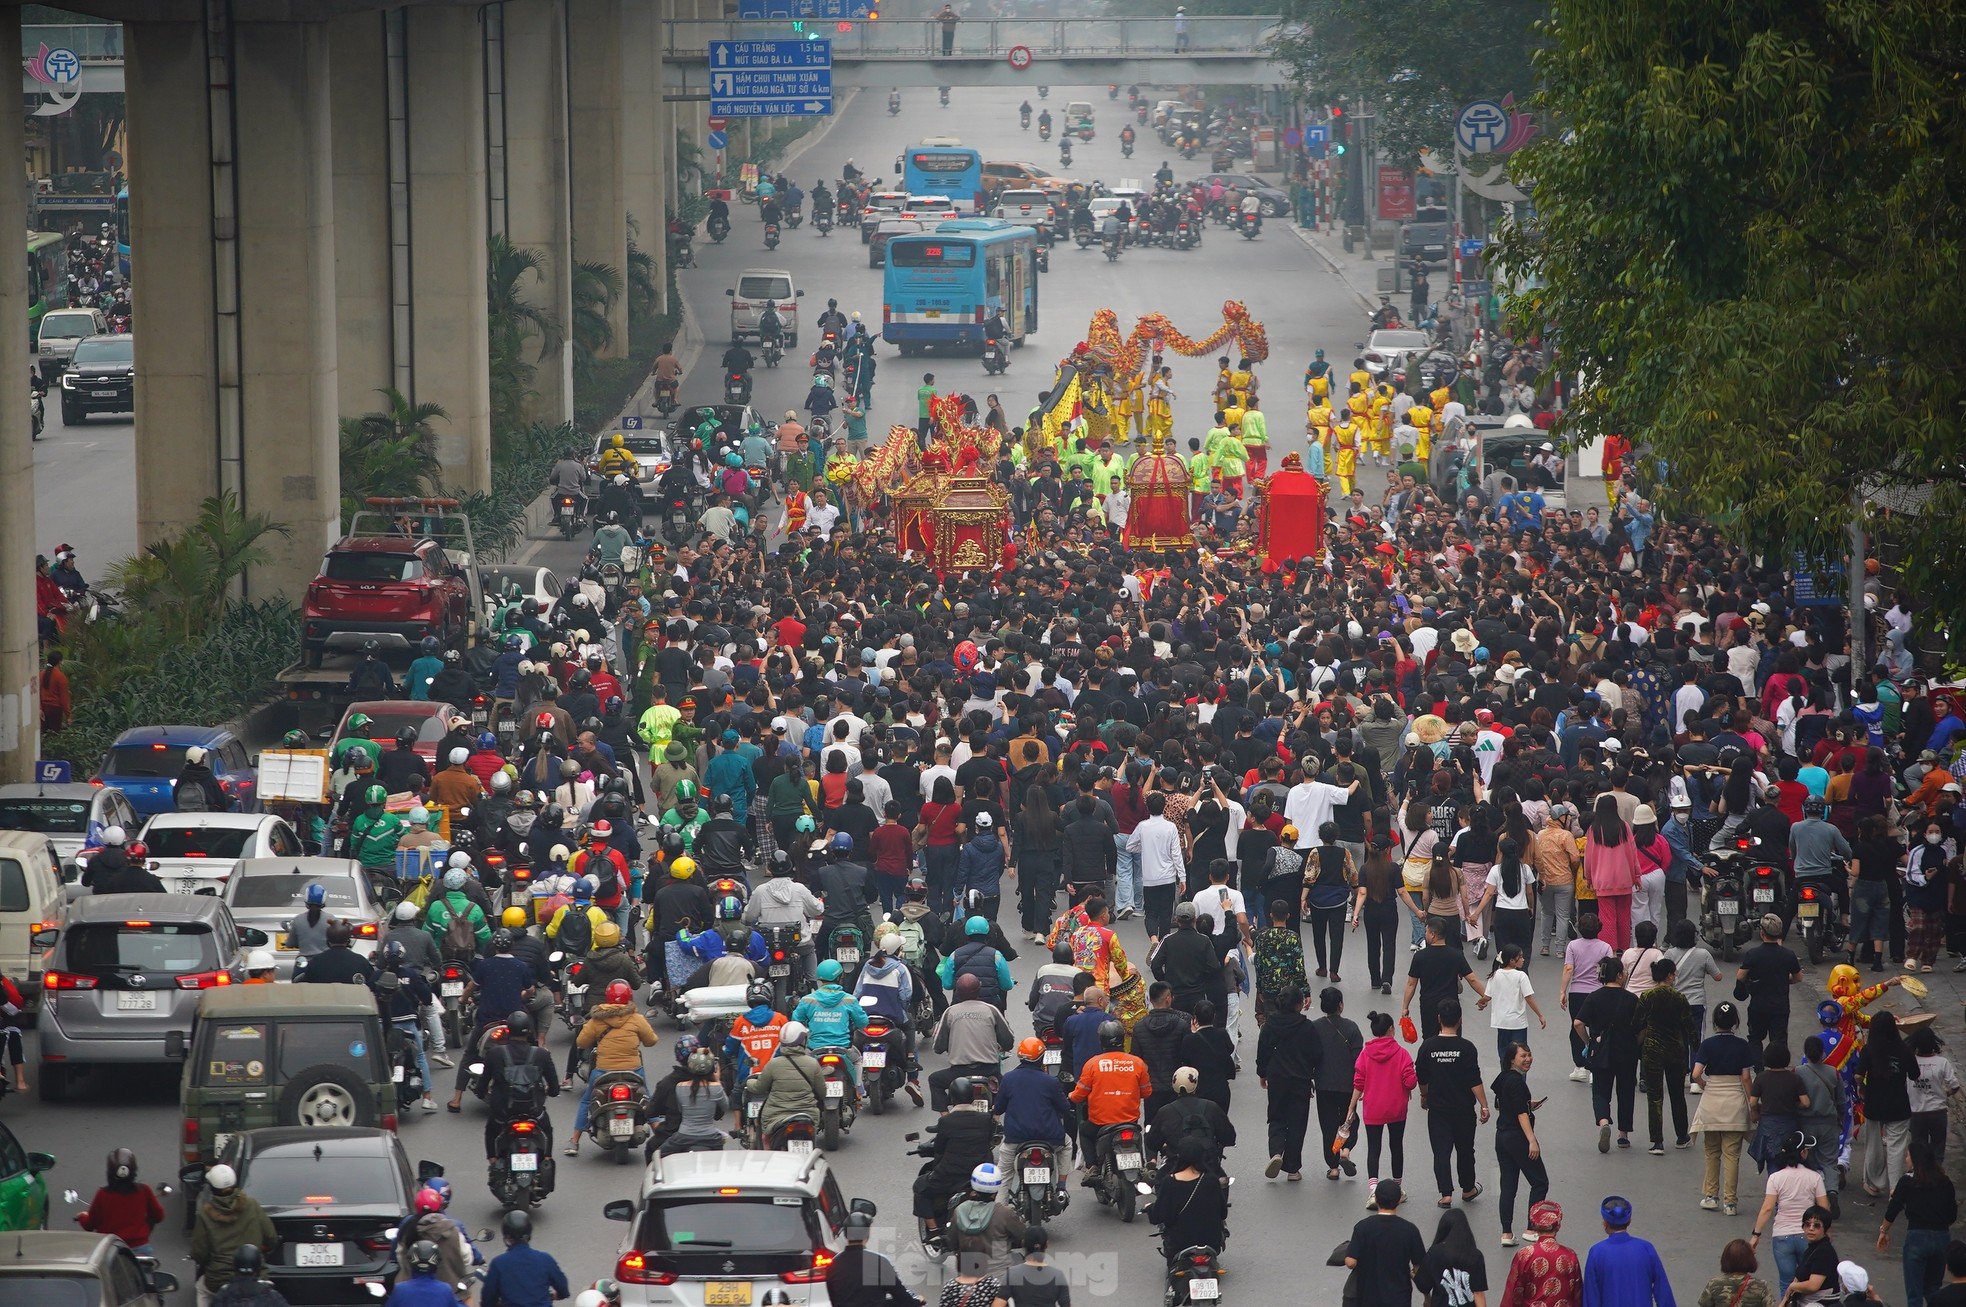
(1332, 264)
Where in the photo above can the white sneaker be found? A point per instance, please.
(1709, 1204)
(1694, 1088)
(1579, 1074)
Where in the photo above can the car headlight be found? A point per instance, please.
(68, 381)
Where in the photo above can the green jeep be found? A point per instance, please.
(282, 1055)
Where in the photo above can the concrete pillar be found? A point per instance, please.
(537, 209)
(696, 122)
(286, 250)
(170, 171)
(20, 699)
(449, 344)
(365, 336)
(644, 189)
(594, 113)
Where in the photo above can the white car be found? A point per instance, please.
(1388, 349)
(267, 893)
(536, 583)
(1031, 207)
(197, 852)
(930, 209)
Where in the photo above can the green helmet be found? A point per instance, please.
(295, 740)
(358, 722)
(375, 796)
(685, 791)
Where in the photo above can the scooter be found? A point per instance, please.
(771, 235)
(718, 229)
(737, 387)
(1044, 93)
(883, 1058)
(1112, 244)
(1194, 1277)
(822, 220)
(794, 216)
(995, 359)
(617, 1120)
(836, 1108)
(1024, 119)
(1724, 924)
(522, 1171)
(782, 945)
(945, 96)
(566, 514)
(665, 396)
(574, 997)
(794, 1135)
(1117, 1179)
(1035, 1186)
(1113, 92)
(1251, 225)
(1185, 236)
(1126, 148)
(773, 353)
(1140, 113)
(849, 946)
(1044, 131)
(1815, 913)
(893, 105)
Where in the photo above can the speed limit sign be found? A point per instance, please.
(1020, 57)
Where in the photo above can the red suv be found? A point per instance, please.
(393, 590)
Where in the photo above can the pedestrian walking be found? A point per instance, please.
(1926, 1198)
(1510, 896)
(1288, 1061)
(1383, 1081)
(1340, 1042)
(1545, 1272)
(1385, 1253)
(1329, 879)
(1622, 1270)
(1763, 978)
(1455, 1274)
(1723, 1074)
(1511, 1000)
(1884, 1068)
(1664, 1024)
(1611, 867)
(1448, 1070)
(1693, 967)
(1581, 957)
(1517, 1150)
(1436, 973)
(1377, 905)
(1792, 1189)
(1553, 850)
(1607, 1027)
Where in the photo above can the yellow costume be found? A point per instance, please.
(1126, 407)
(1317, 425)
(1224, 386)
(1361, 379)
(1422, 418)
(1098, 411)
(1321, 387)
(1380, 432)
(1243, 382)
(1345, 438)
(1160, 414)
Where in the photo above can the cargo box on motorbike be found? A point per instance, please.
(715, 1003)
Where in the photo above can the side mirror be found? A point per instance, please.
(797, 293)
(621, 1209)
(865, 1205)
(46, 938)
(483, 1234)
(476, 1068)
(209, 891)
(556, 957)
(174, 1045)
(37, 1163)
(191, 1177)
(163, 1283)
(252, 761)
(392, 1233)
(252, 937)
(728, 291)
(428, 1171)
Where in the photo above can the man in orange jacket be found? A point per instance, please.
(1112, 1085)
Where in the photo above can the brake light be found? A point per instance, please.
(1808, 894)
(367, 930)
(136, 925)
(877, 1029)
(778, 955)
(1199, 1259)
(821, 1260)
(478, 701)
(205, 980)
(620, 1093)
(831, 1059)
(375, 1243)
(66, 980)
(635, 1268)
(1744, 843)
(522, 1127)
(452, 973)
(189, 1141)
(1126, 1136)
(1035, 1157)
(389, 1122)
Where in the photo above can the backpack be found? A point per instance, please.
(576, 933)
(460, 939)
(914, 941)
(190, 797)
(525, 1087)
(973, 1218)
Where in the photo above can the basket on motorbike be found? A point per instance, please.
(715, 1003)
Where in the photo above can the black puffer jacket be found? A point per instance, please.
(1157, 1042)
(1089, 851)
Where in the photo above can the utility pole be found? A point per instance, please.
(1859, 615)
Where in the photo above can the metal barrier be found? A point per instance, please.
(91, 41)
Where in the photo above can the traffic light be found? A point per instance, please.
(843, 26)
(1337, 147)
(798, 26)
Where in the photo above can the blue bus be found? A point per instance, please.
(953, 172)
(941, 287)
(123, 229)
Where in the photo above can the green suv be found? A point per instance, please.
(23, 1191)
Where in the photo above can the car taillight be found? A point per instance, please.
(389, 1122)
(376, 1243)
(821, 1260)
(367, 930)
(620, 1093)
(637, 1268)
(189, 1144)
(66, 980)
(205, 980)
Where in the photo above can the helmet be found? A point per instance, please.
(682, 868)
(340, 933)
(406, 911)
(122, 1165)
(393, 952)
(375, 796)
(986, 1178)
(584, 887)
(441, 1187)
(685, 791)
(672, 841)
(113, 837)
(427, 1200)
(569, 770)
(619, 992)
(685, 1045)
(501, 940)
(615, 441)
(841, 843)
(262, 960)
(487, 741)
(221, 1179)
(1112, 1035)
(1030, 1048)
(792, 1035)
(1813, 806)
(519, 1025)
(759, 994)
(889, 944)
(295, 740)
(455, 879)
(1186, 1080)
(423, 1256)
(828, 971)
(317, 894)
(429, 644)
(357, 723)
(702, 1063)
(514, 917)
(1061, 952)
(602, 830)
(247, 1261)
(805, 825)
(194, 755)
(607, 935)
(516, 1227)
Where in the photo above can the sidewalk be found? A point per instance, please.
(1360, 277)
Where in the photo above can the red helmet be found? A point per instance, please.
(619, 991)
(544, 721)
(138, 850)
(427, 1200)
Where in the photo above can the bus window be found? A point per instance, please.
(993, 275)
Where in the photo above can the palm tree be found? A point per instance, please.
(392, 451)
(641, 275)
(188, 577)
(596, 287)
(511, 313)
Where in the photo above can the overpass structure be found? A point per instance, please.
(1161, 51)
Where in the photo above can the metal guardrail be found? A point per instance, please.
(91, 41)
(918, 38)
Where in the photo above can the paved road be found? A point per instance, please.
(85, 487)
(1282, 1231)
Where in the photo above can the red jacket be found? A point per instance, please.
(127, 1214)
(1385, 1077)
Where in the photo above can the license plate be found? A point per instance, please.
(1036, 1175)
(836, 1089)
(317, 1254)
(846, 957)
(1807, 911)
(136, 1000)
(1764, 896)
(284, 942)
(727, 1293)
(1054, 1057)
(1127, 1161)
(110, 394)
(874, 1059)
(621, 1127)
(453, 989)
(219, 1141)
(188, 884)
(397, 1075)
(799, 1147)
(781, 968)
(525, 1161)
(1204, 1290)
(1729, 908)
(751, 1108)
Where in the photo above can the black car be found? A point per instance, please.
(334, 1193)
(1275, 202)
(101, 378)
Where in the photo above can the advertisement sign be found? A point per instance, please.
(1395, 194)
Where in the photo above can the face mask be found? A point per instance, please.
(1933, 837)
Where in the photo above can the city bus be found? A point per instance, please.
(941, 287)
(123, 230)
(953, 172)
(47, 278)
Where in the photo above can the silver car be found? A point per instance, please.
(72, 815)
(267, 893)
(125, 973)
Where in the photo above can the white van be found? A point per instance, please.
(30, 887)
(747, 303)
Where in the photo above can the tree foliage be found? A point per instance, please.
(1747, 236)
(181, 581)
(1416, 61)
(392, 451)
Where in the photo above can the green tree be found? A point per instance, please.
(1416, 62)
(185, 579)
(1748, 241)
(596, 288)
(513, 320)
(392, 451)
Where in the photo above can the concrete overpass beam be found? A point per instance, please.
(449, 343)
(173, 275)
(538, 211)
(20, 699)
(595, 111)
(289, 384)
(365, 332)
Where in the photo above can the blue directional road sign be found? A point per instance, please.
(1472, 246)
(1317, 134)
(770, 79)
(718, 140)
(771, 9)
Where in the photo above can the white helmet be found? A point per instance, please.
(222, 1178)
(113, 837)
(559, 853)
(459, 757)
(590, 1298)
(986, 1178)
(620, 479)
(262, 960)
(792, 1035)
(459, 861)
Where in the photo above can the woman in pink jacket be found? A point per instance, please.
(1382, 1083)
(1611, 866)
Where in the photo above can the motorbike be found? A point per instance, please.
(403, 1069)
(1815, 913)
(1121, 1164)
(1188, 148)
(1185, 236)
(718, 229)
(1054, 1058)
(681, 253)
(1035, 1186)
(794, 1135)
(1085, 134)
(1194, 1277)
(836, 1108)
(1126, 148)
(771, 235)
(1113, 92)
(460, 1013)
(1112, 244)
(822, 221)
(521, 1172)
(773, 352)
(1140, 113)
(995, 358)
(617, 1121)
(1065, 153)
(883, 1059)
(574, 997)
(1251, 225)
(943, 92)
(893, 105)
(1723, 923)
(566, 513)
(794, 215)
(665, 396)
(678, 523)
(782, 943)
(1024, 119)
(1044, 131)
(737, 387)
(1084, 237)
(848, 945)
(848, 214)
(1044, 93)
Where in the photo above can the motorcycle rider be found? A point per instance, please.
(972, 1034)
(125, 875)
(822, 201)
(847, 889)
(793, 200)
(428, 1243)
(247, 1287)
(976, 956)
(755, 1033)
(861, 1277)
(518, 1080)
(962, 1140)
(1818, 853)
(769, 210)
(531, 950)
(1126, 134)
(719, 219)
(339, 963)
(831, 319)
(789, 1084)
(783, 901)
(1189, 1211)
(620, 501)
(611, 539)
(832, 1020)
(894, 102)
(1024, 113)
(720, 843)
(771, 327)
(1044, 122)
(1112, 1084)
(1032, 1104)
(885, 976)
(617, 458)
(1051, 988)
(617, 1033)
(1191, 1117)
(569, 477)
(988, 1233)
